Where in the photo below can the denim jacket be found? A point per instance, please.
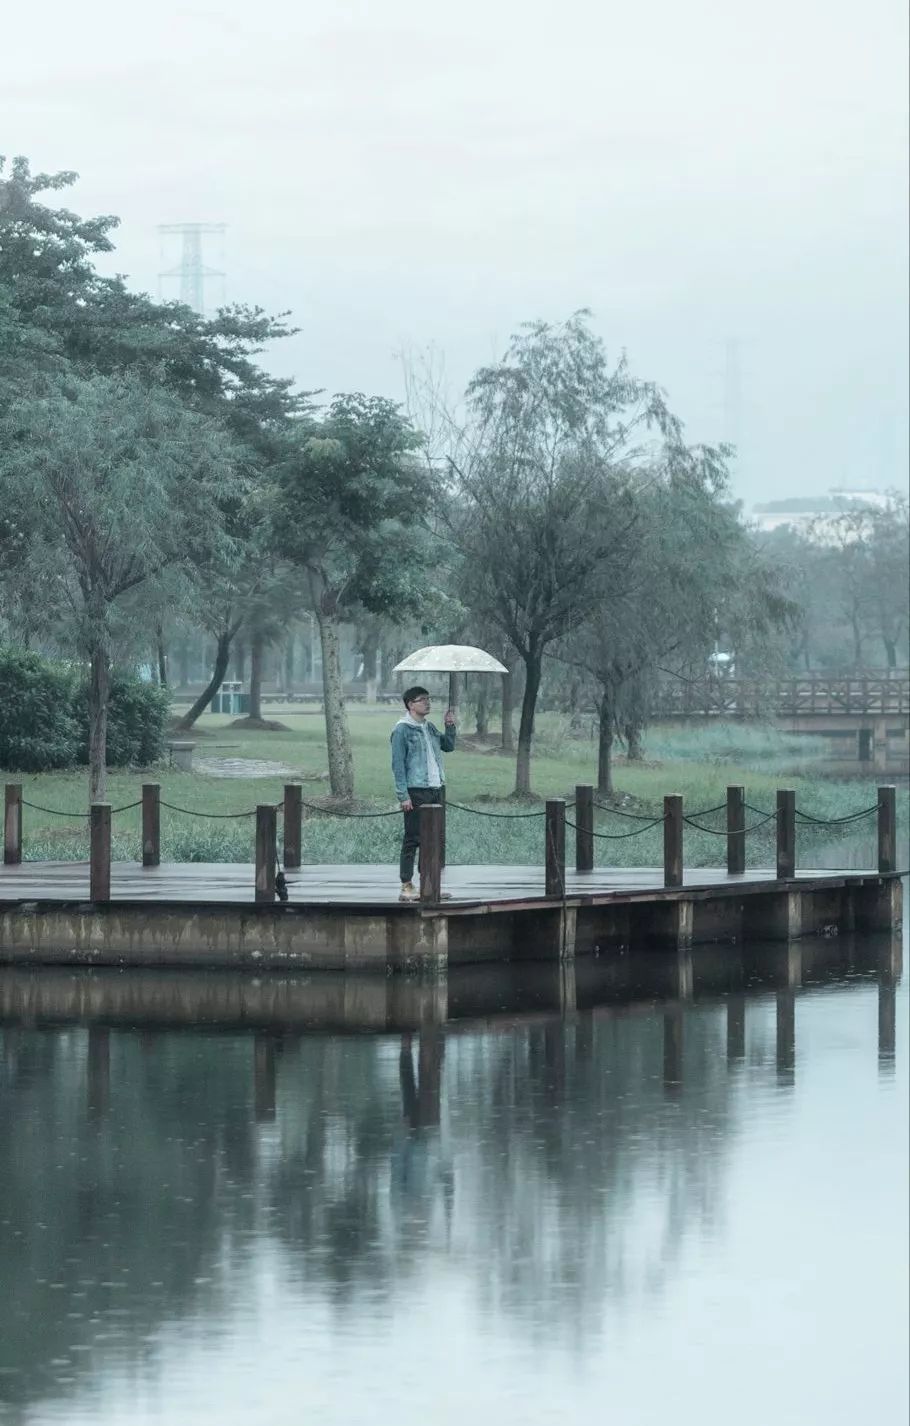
(409, 754)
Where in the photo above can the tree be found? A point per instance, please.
(347, 509)
(124, 483)
(888, 575)
(58, 315)
(541, 500)
(688, 572)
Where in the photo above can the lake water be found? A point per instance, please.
(670, 1188)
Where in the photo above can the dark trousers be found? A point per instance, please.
(410, 842)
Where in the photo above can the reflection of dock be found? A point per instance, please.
(540, 999)
(491, 997)
(349, 918)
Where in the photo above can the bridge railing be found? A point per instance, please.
(784, 697)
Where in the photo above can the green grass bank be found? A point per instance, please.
(696, 763)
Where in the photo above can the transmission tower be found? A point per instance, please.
(191, 270)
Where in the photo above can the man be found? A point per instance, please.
(417, 748)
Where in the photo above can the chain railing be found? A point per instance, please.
(270, 881)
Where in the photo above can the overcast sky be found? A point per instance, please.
(723, 183)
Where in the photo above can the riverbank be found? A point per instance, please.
(697, 765)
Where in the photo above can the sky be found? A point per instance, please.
(724, 186)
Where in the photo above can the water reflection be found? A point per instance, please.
(559, 1144)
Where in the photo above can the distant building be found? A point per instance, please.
(802, 512)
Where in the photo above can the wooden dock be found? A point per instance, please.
(349, 917)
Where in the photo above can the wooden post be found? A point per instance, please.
(100, 851)
(673, 840)
(887, 830)
(266, 852)
(786, 834)
(293, 824)
(12, 824)
(736, 822)
(555, 847)
(151, 824)
(584, 827)
(431, 834)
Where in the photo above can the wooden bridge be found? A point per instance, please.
(788, 698)
(866, 717)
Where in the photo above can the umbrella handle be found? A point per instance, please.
(454, 689)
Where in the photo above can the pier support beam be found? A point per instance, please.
(673, 840)
(663, 923)
(100, 852)
(266, 853)
(432, 850)
(887, 829)
(584, 827)
(12, 824)
(877, 906)
(547, 936)
(555, 847)
(417, 943)
(293, 824)
(773, 916)
(736, 824)
(786, 834)
(151, 824)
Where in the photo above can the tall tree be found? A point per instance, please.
(348, 508)
(688, 572)
(541, 501)
(58, 315)
(888, 576)
(124, 483)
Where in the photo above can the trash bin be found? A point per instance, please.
(231, 699)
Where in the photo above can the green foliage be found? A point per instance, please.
(349, 506)
(763, 747)
(849, 575)
(44, 716)
(39, 727)
(137, 721)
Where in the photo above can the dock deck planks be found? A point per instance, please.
(217, 884)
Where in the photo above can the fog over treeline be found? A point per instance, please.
(723, 186)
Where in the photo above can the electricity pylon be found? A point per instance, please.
(191, 270)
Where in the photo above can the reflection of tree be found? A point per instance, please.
(581, 1176)
(565, 1164)
(113, 1212)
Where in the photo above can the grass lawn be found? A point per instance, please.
(698, 764)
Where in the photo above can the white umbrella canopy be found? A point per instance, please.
(449, 658)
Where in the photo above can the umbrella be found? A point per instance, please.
(452, 659)
(449, 658)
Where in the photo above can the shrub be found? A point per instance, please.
(39, 729)
(44, 716)
(136, 721)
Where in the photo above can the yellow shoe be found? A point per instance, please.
(409, 892)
